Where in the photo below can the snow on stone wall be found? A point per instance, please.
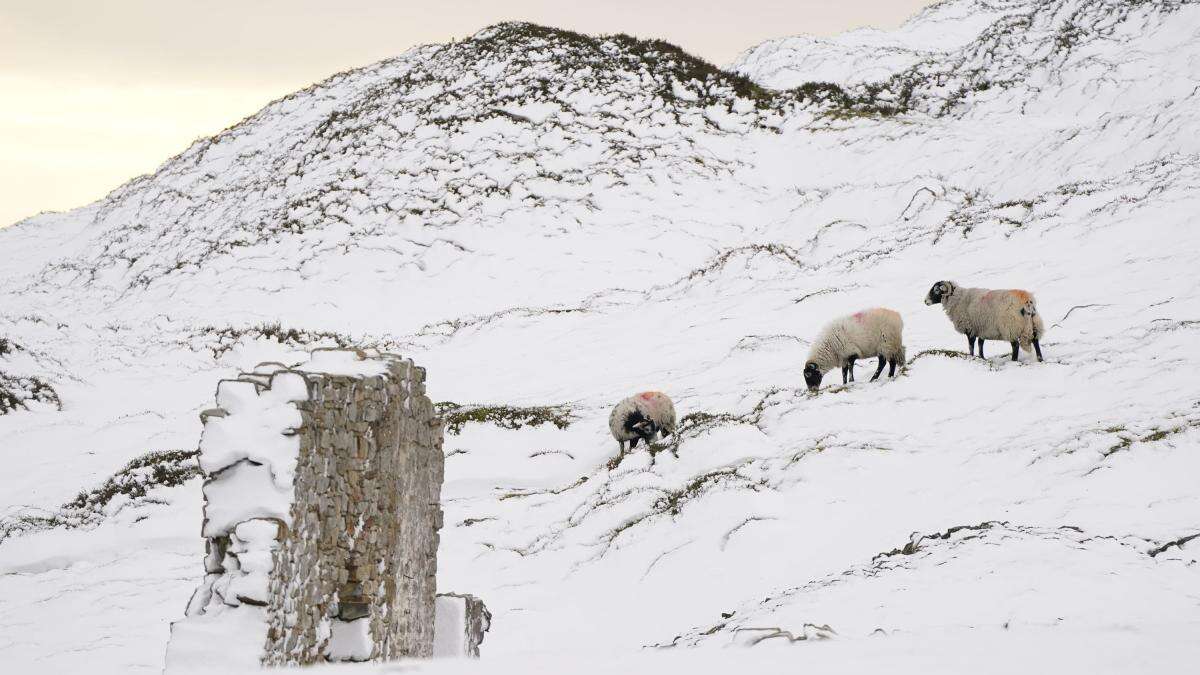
(321, 516)
(461, 621)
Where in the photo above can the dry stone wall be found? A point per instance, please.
(321, 516)
(462, 621)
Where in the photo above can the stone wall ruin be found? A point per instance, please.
(321, 516)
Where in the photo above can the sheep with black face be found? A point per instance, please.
(870, 333)
(642, 417)
(983, 314)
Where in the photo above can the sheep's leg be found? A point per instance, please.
(621, 446)
(892, 368)
(633, 442)
(845, 374)
(1016, 346)
(851, 367)
(981, 349)
(879, 369)
(1037, 348)
(971, 344)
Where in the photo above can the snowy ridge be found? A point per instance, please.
(956, 56)
(517, 118)
(549, 222)
(869, 55)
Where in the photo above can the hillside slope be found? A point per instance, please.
(548, 219)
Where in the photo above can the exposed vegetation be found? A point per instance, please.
(504, 416)
(16, 393)
(468, 522)
(8, 346)
(695, 424)
(224, 339)
(1126, 438)
(914, 542)
(1174, 543)
(165, 468)
(947, 353)
(594, 57)
(450, 327)
(673, 501)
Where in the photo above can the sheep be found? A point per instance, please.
(641, 417)
(871, 332)
(983, 314)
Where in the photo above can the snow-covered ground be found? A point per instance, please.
(541, 218)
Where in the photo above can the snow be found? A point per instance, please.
(244, 491)
(450, 627)
(227, 642)
(336, 362)
(94, 600)
(251, 546)
(351, 640)
(255, 428)
(870, 55)
(982, 650)
(625, 244)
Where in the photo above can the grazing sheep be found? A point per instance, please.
(871, 332)
(641, 417)
(983, 314)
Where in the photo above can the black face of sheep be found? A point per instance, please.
(812, 376)
(939, 290)
(639, 424)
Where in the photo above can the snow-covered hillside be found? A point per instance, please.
(548, 222)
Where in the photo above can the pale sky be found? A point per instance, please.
(96, 92)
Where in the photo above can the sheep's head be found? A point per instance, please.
(812, 375)
(647, 428)
(639, 424)
(940, 291)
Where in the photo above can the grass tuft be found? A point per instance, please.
(16, 392)
(504, 416)
(164, 468)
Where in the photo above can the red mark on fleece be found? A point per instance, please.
(858, 316)
(647, 395)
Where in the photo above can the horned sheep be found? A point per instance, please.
(641, 417)
(870, 333)
(984, 314)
